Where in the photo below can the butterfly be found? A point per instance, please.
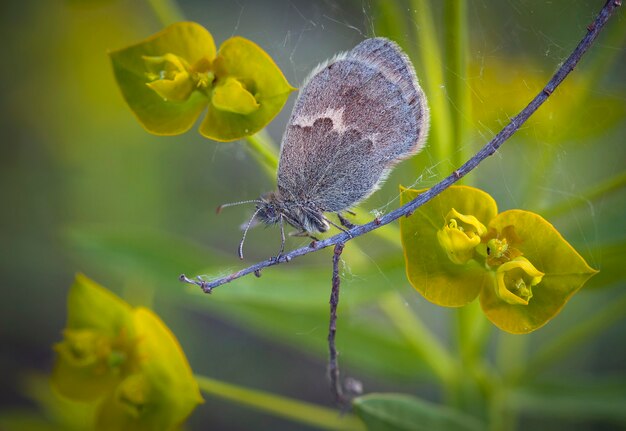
(357, 116)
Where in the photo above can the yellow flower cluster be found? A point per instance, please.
(126, 360)
(170, 78)
(458, 247)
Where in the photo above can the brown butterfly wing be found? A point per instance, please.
(354, 119)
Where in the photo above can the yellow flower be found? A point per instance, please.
(232, 96)
(126, 360)
(499, 247)
(515, 280)
(460, 235)
(169, 77)
(503, 265)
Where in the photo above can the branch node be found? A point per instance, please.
(205, 287)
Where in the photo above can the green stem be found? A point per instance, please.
(390, 21)
(264, 151)
(574, 337)
(283, 407)
(456, 37)
(501, 418)
(419, 337)
(511, 351)
(429, 55)
(587, 197)
(167, 11)
(475, 382)
(470, 330)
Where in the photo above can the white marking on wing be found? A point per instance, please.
(335, 115)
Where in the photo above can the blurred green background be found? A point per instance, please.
(84, 188)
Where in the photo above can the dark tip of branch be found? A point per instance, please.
(257, 273)
(219, 209)
(182, 277)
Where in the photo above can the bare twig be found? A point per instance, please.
(407, 209)
(333, 366)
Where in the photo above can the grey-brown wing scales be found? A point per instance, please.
(356, 117)
(397, 68)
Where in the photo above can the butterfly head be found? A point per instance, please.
(301, 215)
(270, 208)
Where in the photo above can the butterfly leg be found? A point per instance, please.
(282, 240)
(303, 233)
(344, 221)
(338, 227)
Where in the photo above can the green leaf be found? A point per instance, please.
(398, 412)
(187, 41)
(565, 272)
(428, 267)
(144, 252)
(597, 398)
(242, 61)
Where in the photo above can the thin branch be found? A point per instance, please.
(333, 366)
(592, 33)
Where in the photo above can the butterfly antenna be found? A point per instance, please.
(240, 250)
(232, 204)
